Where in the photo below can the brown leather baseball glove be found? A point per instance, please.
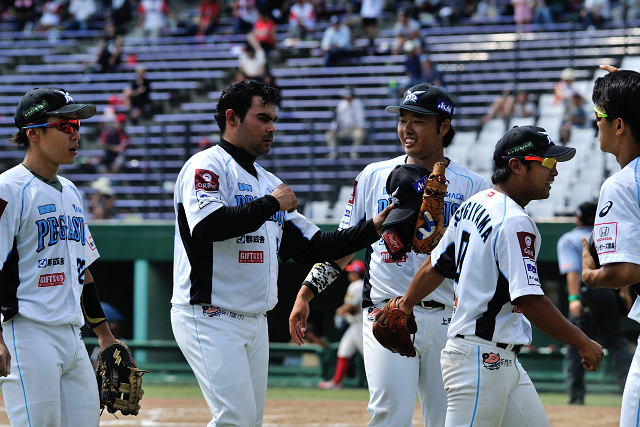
(394, 330)
(429, 227)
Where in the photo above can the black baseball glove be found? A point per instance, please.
(119, 380)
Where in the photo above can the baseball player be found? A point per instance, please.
(490, 251)
(45, 284)
(424, 129)
(617, 223)
(349, 312)
(233, 220)
(595, 311)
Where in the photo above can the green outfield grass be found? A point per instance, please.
(193, 392)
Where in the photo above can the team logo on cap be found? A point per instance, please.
(67, 97)
(412, 96)
(547, 135)
(445, 106)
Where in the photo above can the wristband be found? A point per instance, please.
(574, 298)
(321, 276)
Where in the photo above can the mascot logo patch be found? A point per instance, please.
(371, 314)
(211, 311)
(491, 361)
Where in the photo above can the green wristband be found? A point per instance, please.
(574, 298)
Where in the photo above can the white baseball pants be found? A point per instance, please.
(630, 411)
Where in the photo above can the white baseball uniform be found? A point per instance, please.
(485, 383)
(47, 246)
(223, 289)
(393, 391)
(615, 234)
(351, 340)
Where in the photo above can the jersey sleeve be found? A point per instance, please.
(568, 258)
(202, 188)
(617, 226)
(517, 247)
(9, 220)
(355, 209)
(90, 250)
(443, 257)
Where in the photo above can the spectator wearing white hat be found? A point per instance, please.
(103, 200)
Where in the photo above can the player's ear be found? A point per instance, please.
(517, 168)
(445, 126)
(230, 116)
(32, 134)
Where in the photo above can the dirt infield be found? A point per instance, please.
(336, 413)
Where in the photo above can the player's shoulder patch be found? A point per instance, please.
(527, 244)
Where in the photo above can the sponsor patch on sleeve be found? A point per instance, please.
(527, 244)
(207, 187)
(605, 236)
(353, 193)
(532, 272)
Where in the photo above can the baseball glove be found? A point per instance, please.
(119, 380)
(429, 227)
(398, 238)
(395, 335)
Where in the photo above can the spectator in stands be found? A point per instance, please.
(336, 42)
(137, 95)
(405, 28)
(595, 13)
(522, 13)
(542, 12)
(574, 116)
(102, 202)
(208, 17)
(506, 106)
(252, 62)
(114, 140)
(81, 12)
(348, 123)
(348, 313)
(109, 54)
(564, 90)
(371, 12)
(153, 16)
(120, 13)
(412, 66)
(302, 20)
(264, 33)
(595, 311)
(426, 9)
(51, 12)
(245, 13)
(430, 72)
(25, 12)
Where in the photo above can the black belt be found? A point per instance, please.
(516, 348)
(430, 304)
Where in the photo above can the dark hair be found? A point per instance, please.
(503, 173)
(618, 93)
(238, 97)
(21, 138)
(450, 134)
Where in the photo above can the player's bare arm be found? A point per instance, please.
(615, 275)
(573, 286)
(545, 316)
(5, 358)
(300, 312)
(286, 197)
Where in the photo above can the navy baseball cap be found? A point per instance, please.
(53, 101)
(405, 186)
(425, 98)
(521, 141)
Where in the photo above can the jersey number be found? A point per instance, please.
(81, 269)
(464, 244)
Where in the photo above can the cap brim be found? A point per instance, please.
(83, 111)
(395, 109)
(559, 152)
(402, 213)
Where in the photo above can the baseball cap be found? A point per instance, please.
(356, 266)
(521, 141)
(568, 74)
(52, 101)
(587, 212)
(425, 98)
(405, 186)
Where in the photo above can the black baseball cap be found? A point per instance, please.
(521, 141)
(425, 98)
(587, 212)
(53, 101)
(405, 186)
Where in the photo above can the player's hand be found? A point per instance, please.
(5, 359)
(609, 68)
(591, 354)
(299, 315)
(286, 197)
(379, 219)
(575, 307)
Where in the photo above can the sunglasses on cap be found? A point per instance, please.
(547, 162)
(600, 115)
(68, 126)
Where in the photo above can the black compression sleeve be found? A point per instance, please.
(91, 308)
(326, 245)
(234, 221)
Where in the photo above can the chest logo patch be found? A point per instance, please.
(47, 280)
